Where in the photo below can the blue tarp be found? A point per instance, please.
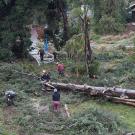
(46, 45)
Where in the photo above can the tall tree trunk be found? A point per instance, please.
(65, 23)
(4, 11)
(62, 9)
(88, 51)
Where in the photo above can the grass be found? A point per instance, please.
(4, 128)
(115, 70)
(126, 113)
(27, 117)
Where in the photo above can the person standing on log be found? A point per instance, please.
(56, 100)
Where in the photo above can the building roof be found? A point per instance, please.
(132, 4)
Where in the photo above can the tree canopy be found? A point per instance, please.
(108, 16)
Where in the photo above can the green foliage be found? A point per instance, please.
(111, 55)
(132, 56)
(119, 74)
(94, 68)
(5, 54)
(75, 47)
(110, 16)
(94, 122)
(134, 41)
(95, 37)
(108, 24)
(48, 122)
(12, 26)
(4, 132)
(14, 78)
(78, 69)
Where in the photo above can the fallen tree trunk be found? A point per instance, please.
(117, 95)
(117, 99)
(130, 102)
(96, 91)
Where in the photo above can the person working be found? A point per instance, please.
(56, 100)
(10, 96)
(60, 68)
(41, 53)
(45, 76)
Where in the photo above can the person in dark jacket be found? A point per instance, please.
(56, 100)
(55, 55)
(41, 53)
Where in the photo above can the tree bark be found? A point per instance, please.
(96, 91)
(87, 48)
(119, 95)
(61, 9)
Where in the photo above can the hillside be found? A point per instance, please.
(83, 45)
(33, 106)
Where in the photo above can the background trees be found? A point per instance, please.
(16, 15)
(109, 16)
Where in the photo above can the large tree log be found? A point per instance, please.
(117, 99)
(117, 95)
(96, 91)
(130, 102)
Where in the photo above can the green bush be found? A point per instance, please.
(108, 24)
(95, 37)
(5, 54)
(134, 41)
(94, 68)
(94, 122)
(81, 69)
(106, 56)
(78, 68)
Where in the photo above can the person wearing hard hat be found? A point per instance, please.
(45, 76)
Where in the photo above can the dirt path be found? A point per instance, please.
(8, 114)
(34, 52)
(45, 108)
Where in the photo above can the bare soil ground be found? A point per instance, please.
(9, 113)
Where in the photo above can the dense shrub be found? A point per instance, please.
(78, 68)
(108, 24)
(5, 54)
(13, 26)
(94, 122)
(106, 56)
(75, 47)
(94, 68)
